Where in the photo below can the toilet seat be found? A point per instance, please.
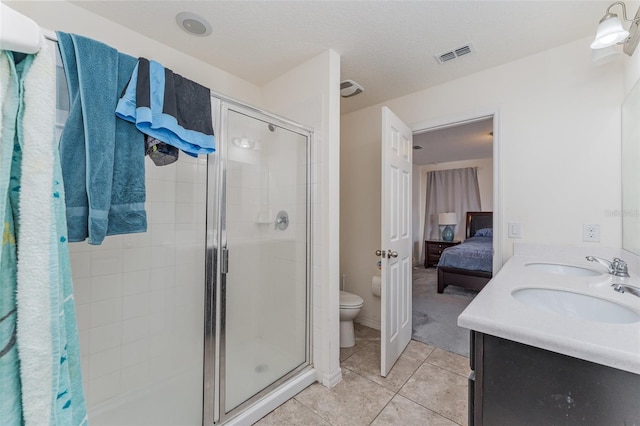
(350, 301)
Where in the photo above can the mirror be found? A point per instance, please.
(631, 171)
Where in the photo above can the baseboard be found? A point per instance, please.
(330, 380)
(369, 322)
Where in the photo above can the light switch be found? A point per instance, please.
(515, 230)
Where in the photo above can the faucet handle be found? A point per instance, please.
(620, 268)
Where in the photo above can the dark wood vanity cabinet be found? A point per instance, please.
(515, 384)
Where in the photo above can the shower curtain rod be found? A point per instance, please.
(18, 33)
(51, 35)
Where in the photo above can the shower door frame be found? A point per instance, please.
(213, 411)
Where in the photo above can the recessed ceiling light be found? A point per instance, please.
(193, 24)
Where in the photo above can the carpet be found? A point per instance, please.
(435, 315)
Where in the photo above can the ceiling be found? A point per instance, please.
(386, 46)
(466, 141)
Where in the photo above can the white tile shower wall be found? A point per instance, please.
(140, 296)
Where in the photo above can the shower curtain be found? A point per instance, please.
(40, 380)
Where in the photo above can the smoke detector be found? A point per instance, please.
(349, 88)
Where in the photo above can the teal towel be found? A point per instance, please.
(102, 157)
(10, 159)
(40, 377)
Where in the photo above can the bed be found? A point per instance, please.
(469, 265)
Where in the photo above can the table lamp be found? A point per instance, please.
(447, 219)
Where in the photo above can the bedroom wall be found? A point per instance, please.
(558, 138)
(485, 185)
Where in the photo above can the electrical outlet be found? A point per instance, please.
(591, 232)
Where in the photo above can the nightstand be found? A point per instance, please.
(433, 250)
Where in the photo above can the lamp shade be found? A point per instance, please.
(610, 32)
(447, 218)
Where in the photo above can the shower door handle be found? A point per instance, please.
(224, 261)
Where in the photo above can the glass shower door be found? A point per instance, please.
(265, 291)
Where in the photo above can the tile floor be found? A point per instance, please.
(427, 386)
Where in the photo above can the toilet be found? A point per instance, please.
(350, 305)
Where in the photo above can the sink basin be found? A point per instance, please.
(576, 305)
(560, 269)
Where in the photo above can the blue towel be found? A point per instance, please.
(102, 157)
(169, 107)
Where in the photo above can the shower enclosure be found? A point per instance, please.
(205, 316)
(258, 240)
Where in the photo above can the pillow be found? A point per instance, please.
(484, 232)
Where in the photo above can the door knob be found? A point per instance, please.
(381, 253)
(393, 254)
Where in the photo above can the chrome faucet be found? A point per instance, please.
(621, 288)
(617, 267)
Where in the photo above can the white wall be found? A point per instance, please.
(360, 197)
(310, 94)
(67, 17)
(558, 136)
(631, 78)
(485, 185)
(632, 64)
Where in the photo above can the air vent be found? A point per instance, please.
(349, 88)
(417, 147)
(456, 53)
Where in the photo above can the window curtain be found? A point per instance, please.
(454, 190)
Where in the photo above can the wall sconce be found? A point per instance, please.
(610, 30)
(447, 219)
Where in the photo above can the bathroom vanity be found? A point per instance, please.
(516, 384)
(552, 343)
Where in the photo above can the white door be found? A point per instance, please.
(397, 150)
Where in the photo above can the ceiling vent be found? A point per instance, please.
(349, 88)
(456, 53)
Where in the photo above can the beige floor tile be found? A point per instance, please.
(418, 350)
(352, 402)
(363, 332)
(345, 353)
(292, 413)
(402, 411)
(366, 362)
(449, 361)
(439, 390)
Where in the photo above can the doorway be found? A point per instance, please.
(461, 143)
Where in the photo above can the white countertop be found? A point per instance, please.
(494, 311)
